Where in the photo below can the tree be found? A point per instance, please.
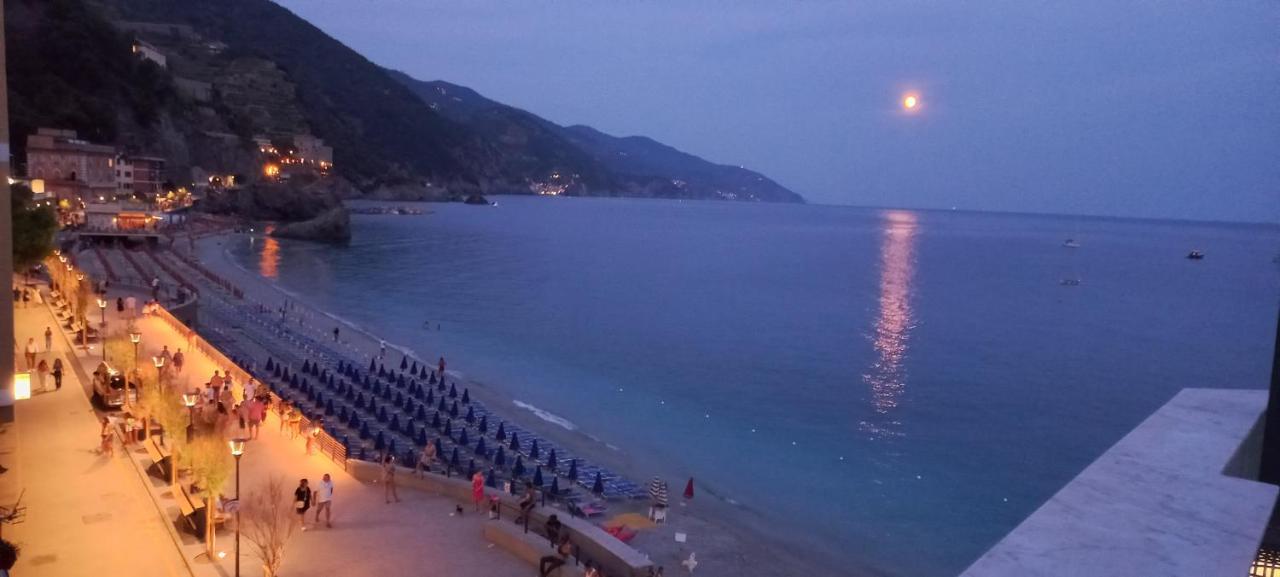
(268, 521)
(209, 459)
(33, 228)
(164, 404)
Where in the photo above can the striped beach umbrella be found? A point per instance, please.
(658, 491)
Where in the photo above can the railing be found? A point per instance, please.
(328, 445)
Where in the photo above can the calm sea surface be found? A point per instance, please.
(908, 385)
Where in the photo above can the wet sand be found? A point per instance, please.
(728, 539)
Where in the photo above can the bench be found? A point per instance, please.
(188, 512)
(161, 459)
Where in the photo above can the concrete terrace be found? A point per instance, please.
(1161, 501)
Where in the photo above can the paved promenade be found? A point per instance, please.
(87, 514)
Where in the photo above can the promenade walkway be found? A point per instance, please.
(86, 514)
(418, 536)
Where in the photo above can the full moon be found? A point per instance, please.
(910, 102)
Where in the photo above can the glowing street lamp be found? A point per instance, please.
(135, 337)
(189, 399)
(159, 363)
(237, 451)
(102, 306)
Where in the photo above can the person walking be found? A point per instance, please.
(42, 371)
(477, 489)
(57, 374)
(48, 340)
(30, 353)
(442, 368)
(313, 431)
(250, 389)
(302, 502)
(105, 445)
(324, 501)
(178, 360)
(120, 305)
(389, 478)
(257, 412)
(426, 458)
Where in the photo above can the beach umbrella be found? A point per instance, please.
(501, 435)
(537, 476)
(420, 414)
(404, 363)
(400, 381)
(353, 421)
(688, 489)
(440, 386)
(533, 450)
(573, 469)
(500, 457)
(518, 469)
(413, 370)
(435, 421)
(306, 366)
(373, 365)
(481, 449)
(293, 381)
(379, 442)
(275, 371)
(328, 408)
(453, 410)
(658, 491)
(441, 406)
(598, 486)
(422, 437)
(448, 428)
(462, 439)
(453, 391)
(484, 424)
(491, 479)
(471, 415)
(382, 414)
(555, 486)
(395, 423)
(342, 366)
(431, 379)
(515, 442)
(271, 365)
(552, 462)
(431, 398)
(391, 447)
(439, 446)
(471, 467)
(342, 414)
(367, 382)
(453, 459)
(466, 396)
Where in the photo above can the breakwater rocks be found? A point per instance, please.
(333, 227)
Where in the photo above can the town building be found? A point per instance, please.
(139, 175)
(71, 168)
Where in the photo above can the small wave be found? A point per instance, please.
(544, 415)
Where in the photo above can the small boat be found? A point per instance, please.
(1069, 282)
(1071, 243)
(1195, 255)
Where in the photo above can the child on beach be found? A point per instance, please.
(105, 445)
(389, 478)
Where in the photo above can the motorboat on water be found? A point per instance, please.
(1069, 282)
(1071, 243)
(1195, 255)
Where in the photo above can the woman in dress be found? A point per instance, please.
(477, 489)
(302, 502)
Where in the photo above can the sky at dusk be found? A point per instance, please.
(1140, 108)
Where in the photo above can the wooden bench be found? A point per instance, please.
(161, 459)
(188, 511)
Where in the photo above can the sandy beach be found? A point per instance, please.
(728, 539)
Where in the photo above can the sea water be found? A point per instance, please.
(898, 387)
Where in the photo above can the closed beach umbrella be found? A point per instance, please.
(422, 436)
(448, 428)
(435, 421)
(480, 448)
(471, 467)
(484, 424)
(515, 441)
(518, 469)
(413, 370)
(471, 415)
(658, 491)
(379, 442)
(431, 398)
(598, 486)
(555, 486)
(463, 437)
(573, 469)
(420, 414)
(441, 406)
(453, 391)
(271, 365)
(466, 396)
(453, 459)
(491, 479)
(364, 430)
(453, 410)
(501, 435)
(306, 366)
(395, 423)
(552, 462)
(404, 363)
(537, 476)
(373, 365)
(533, 450)
(500, 457)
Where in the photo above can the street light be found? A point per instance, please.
(237, 451)
(189, 399)
(136, 337)
(102, 306)
(159, 362)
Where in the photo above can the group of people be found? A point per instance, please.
(37, 359)
(322, 497)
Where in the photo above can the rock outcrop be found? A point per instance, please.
(332, 227)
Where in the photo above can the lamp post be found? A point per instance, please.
(189, 399)
(159, 363)
(237, 450)
(102, 307)
(135, 337)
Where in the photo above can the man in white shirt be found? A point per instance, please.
(323, 498)
(250, 388)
